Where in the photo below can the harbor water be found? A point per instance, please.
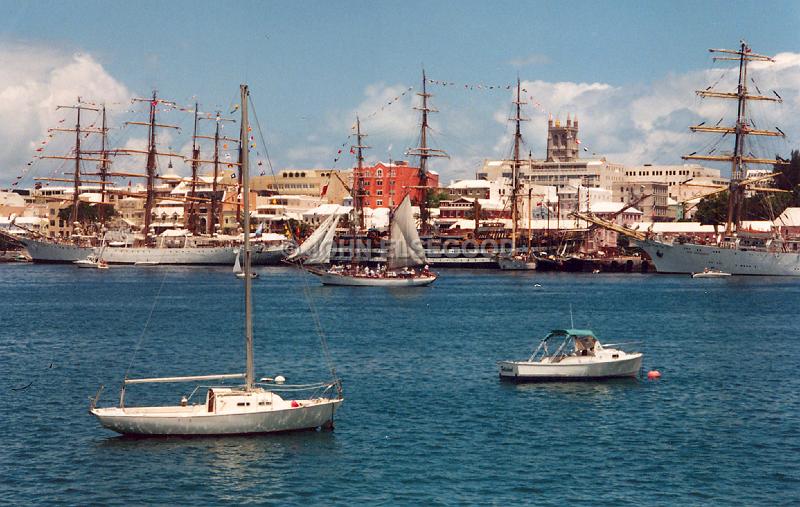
(425, 419)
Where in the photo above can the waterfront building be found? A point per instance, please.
(684, 181)
(386, 184)
(314, 182)
(649, 196)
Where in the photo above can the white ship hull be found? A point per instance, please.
(195, 420)
(48, 251)
(580, 369)
(51, 252)
(363, 281)
(692, 258)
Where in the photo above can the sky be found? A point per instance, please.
(627, 69)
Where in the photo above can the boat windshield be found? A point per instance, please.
(566, 342)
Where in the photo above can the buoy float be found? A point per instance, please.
(653, 374)
(295, 404)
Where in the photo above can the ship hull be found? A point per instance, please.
(693, 258)
(151, 423)
(51, 252)
(363, 281)
(523, 371)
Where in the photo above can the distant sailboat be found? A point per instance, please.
(249, 408)
(237, 269)
(406, 255)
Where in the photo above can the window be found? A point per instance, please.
(379, 192)
(379, 174)
(379, 202)
(379, 182)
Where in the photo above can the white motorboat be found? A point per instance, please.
(577, 355)
(516, 263)
(710, 273)
(250, 408)
(89, 262)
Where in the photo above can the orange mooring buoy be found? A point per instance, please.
(653, 374)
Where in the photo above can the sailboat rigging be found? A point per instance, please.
(252, 407)
(515, 260)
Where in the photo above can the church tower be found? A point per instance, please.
(562, 142)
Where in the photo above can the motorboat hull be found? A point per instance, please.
(693, 258)
(710, 275)
(524, 371)
(364, 281)
(514, 264)
(126, 421)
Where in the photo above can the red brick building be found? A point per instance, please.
(385, 185)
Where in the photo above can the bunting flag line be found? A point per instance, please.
(489, 87)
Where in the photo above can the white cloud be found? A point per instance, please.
(35, 80)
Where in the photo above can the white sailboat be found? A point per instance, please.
(94, 261)
(405, 255)
(238, 271)
(249, 408)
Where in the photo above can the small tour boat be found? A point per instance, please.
(577, 355)
(710, 273)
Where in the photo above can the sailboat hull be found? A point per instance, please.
(363, 281)
(193, 420)
(694, 258)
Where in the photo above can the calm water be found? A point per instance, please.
(425, 420)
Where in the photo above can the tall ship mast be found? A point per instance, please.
(214, 200)
(737, 251)
(424, 153)
(79, 155)
(742, 128)
(514, 261)
(178, 246)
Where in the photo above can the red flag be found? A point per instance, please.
(352, 150)
(324, 190)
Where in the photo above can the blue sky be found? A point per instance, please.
(313, 65)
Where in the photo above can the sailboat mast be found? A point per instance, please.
(515, 168)
(151, 167)
(424, 153)
(213, 218)
(76, 183)
(195, 166)
(103, 167)
(244, 173)
(736, 192)
(358, 199)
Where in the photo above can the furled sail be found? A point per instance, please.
(314, 247)
(405, 247)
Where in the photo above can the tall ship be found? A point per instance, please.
(193, 245)
(737, 251)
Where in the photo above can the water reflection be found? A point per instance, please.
(576, 389)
